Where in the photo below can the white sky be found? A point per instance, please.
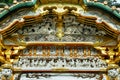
(118, 1)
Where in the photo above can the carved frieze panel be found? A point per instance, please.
(50, 63)
(73, 30)
(59, 76)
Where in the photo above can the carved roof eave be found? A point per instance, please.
(89, 20)
(83, 3)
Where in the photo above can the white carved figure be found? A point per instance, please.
(39, 50)
(59, 62)
(40, 63)
(51, 37)
(68, 30)
(71, 27)
(36, 63)
(78, 64)
(113, 73)
(20, 62)
(27, 62)
(7, 73)
(64, 63)
(23, 62)
(49, 64)
(80, 51)
(72, 63)
(32, 63)
(44, 63)
(89, 63)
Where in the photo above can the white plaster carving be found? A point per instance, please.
(60, 62)
(73, 31)
(59, 76)
(113, 73)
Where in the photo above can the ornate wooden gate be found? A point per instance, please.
(56, 39)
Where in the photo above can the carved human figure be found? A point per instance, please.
(59, 63)
(40, 63)
(72, 62)
(6, 74)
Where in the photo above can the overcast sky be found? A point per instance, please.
(118, 1)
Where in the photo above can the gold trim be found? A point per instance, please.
(60, 43)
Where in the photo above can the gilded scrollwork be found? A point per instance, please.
(8, 55)
(110, 54)
(6, 51)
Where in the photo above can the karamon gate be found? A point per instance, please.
(60, 40)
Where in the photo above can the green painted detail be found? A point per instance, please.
(6, 1)
(2, 5)
(103, 7)
(24, 4)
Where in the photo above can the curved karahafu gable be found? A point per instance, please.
(73, 30)
(17, 9)
(81, 22)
